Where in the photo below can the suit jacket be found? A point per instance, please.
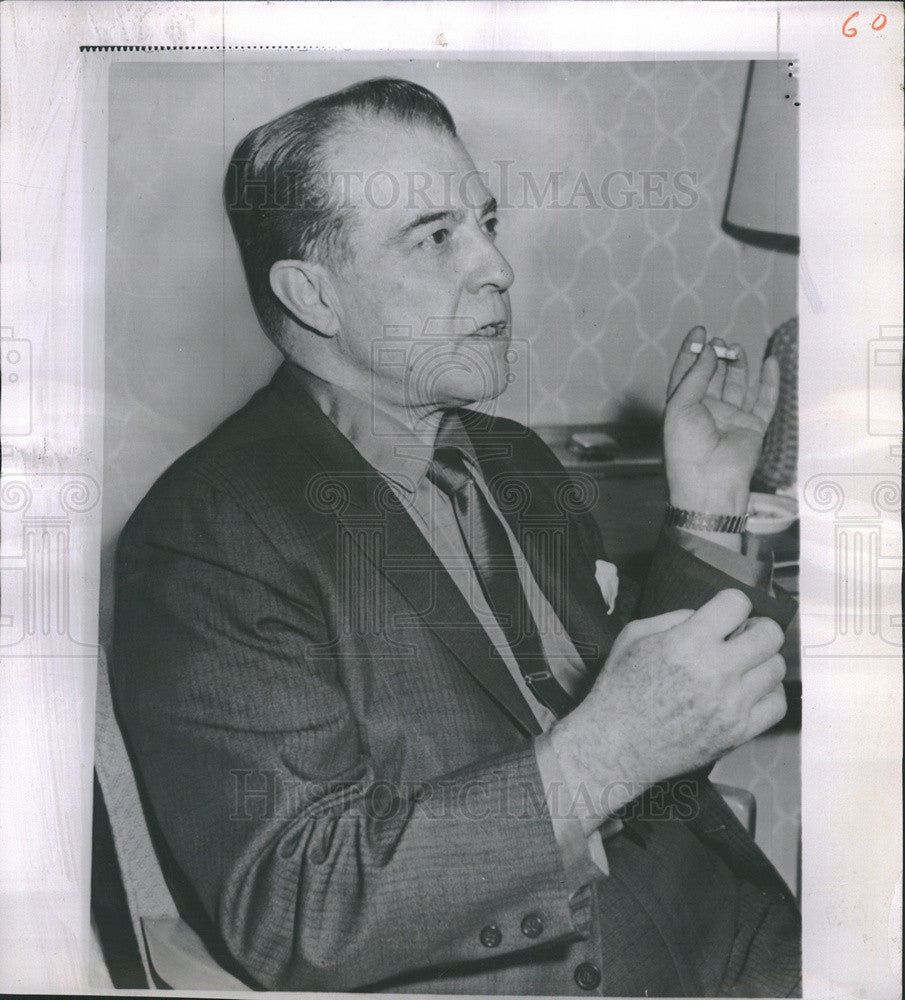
(342, 781)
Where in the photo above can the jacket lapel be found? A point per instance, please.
(412, 567)
(374, 520)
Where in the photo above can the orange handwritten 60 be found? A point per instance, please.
(849, 30)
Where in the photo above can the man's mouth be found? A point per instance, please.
(492, 330)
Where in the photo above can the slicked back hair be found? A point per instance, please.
(278, 196)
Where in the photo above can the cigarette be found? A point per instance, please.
(723, 353)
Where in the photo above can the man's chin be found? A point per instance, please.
(471, 398)
(475, 375)
(453, 396)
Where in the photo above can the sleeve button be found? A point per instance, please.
(532, 925)
(490, 936)
(587, 975)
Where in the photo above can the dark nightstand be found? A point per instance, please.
(631, 486)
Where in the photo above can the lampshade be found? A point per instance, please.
(762, 202)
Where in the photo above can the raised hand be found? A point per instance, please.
(716, 418)
(678, 691)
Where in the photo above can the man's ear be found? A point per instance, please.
(306, 290)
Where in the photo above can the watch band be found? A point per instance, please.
(698, 521)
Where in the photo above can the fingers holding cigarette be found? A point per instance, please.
(722, 353)
(689, 356)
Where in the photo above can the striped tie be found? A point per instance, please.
(497, 572)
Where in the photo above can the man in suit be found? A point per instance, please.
(370, 658)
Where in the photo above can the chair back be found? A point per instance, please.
(171, 952)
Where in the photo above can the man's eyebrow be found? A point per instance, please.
(425, 220)
(488, 208)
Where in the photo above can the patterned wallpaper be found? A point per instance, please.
(612, 178)
(619, 287)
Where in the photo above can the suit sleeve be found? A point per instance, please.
(678, 578)
(318, 868)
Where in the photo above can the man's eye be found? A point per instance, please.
(437, 238)
(492, 225)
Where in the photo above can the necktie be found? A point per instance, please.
(497, 572)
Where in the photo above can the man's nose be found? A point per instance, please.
(489, 267)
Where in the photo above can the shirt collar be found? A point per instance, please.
(382, 440)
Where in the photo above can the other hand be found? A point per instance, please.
(716, 418)
(677, 692)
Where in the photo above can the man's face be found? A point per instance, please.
(424, 308)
